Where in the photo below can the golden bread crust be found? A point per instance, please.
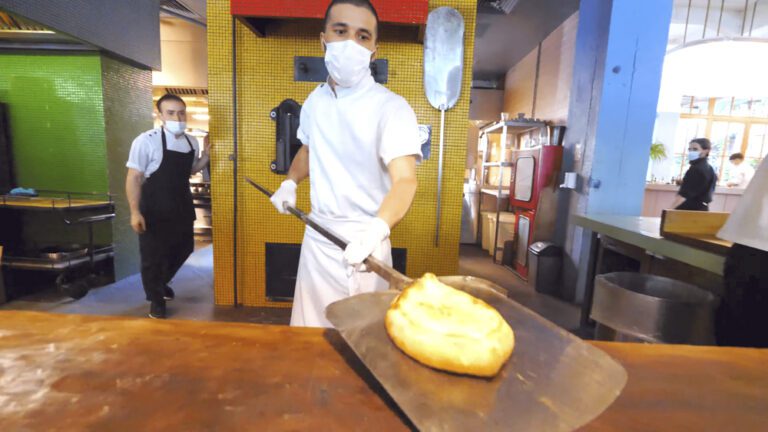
(448, 329)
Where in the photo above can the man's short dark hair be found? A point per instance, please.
(366, 4)
(736, 156)
(169, 97)
(704, 143)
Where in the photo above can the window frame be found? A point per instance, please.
(711, 118)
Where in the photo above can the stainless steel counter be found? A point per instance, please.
(644, 232)
(661, 196)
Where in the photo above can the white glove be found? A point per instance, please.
(285, 195)
(366, 242)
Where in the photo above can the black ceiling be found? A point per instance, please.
(503, 40)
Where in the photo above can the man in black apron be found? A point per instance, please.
(162, 212)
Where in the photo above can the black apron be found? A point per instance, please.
(693, 205)
(165, 195)
(166, 204)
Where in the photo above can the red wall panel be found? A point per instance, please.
(390, 11)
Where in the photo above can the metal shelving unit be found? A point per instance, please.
(57, 200)
(515, 127)
(201, 199)
(76, 269)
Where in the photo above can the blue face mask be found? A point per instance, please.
(693, 155)
(175, 127)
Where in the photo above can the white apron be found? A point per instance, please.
(323, 276)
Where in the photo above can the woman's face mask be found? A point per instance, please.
(693, 155)
(695, 152)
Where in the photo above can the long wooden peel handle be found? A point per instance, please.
(396, 279)
(317, 227)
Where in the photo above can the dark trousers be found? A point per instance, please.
(742, 319)
(163, 247)
(693, 205)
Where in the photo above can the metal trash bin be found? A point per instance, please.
(544, 263)
(469, 213)
(508, 255)
(654, 309)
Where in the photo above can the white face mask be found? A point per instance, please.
(175, 127)
(693, 155)
(347, 62)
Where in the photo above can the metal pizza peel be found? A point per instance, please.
(443, 70)
(553, 381)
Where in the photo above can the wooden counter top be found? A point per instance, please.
(674, 188)
(688, 388)
(73, 372)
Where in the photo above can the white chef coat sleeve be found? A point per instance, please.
(738, 176)
(749, 174)
(399, 132)
(139, 156)
(302, 133)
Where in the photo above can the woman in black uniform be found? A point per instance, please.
(699, 181)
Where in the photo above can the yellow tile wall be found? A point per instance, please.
(265, 78)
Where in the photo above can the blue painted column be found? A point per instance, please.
(620, 48)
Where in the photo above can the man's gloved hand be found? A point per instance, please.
(286, 194)
(366, 242)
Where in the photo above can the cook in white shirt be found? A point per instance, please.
(157, 186)
(146, 153)
(743, 314)
(741, 173)
(361, 146)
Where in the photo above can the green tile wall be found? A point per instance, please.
(57, 120)
(73, 119)
(127, 113)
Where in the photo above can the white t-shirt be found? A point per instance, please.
(352, 136)
(741, 175)
(147, 150)
(748, 224)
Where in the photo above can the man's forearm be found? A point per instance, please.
(300, 166)
(397, 202)
(201, 163)
(133, 192)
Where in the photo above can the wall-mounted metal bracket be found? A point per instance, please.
(286, 117)
(312, 69)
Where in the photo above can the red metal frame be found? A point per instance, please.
(390, 11)
(547, 163)
(546, 171)
(522, 270)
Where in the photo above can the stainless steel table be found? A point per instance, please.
(643, 233)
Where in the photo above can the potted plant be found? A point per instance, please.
(658, 152)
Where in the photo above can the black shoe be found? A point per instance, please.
(157, 310)
(169, 294)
